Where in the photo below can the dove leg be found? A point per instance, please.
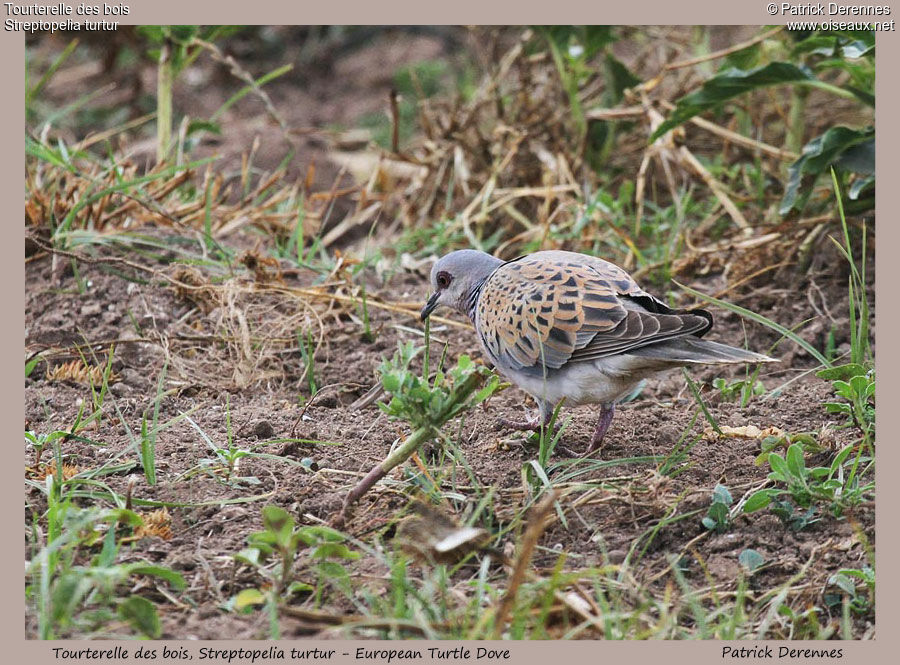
(606, 416)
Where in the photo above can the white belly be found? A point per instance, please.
(603, 381)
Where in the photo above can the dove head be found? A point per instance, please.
(455, 278)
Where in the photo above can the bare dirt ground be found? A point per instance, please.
(153, 324)
(207, 534)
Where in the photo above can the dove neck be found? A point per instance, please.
(472, 299)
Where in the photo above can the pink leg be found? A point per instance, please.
(606, 416)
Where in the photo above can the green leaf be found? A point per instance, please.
(840, 458)
(729, 84)
(779, 466)
(716, 517)
(825, 151)
(795, 461)
(141, 615)
(195, 126)
(488, 390)
(248, 598)
(843, 389)
(124, 517)
(618, 77)
(252, 556)
(391, 383)
(860, 385)
(170, 576)
(751, 559)
(334, 551)
(842, 372)
(31, 364)
(722, 495)
(277, 520)
(67, 594)
(758, 500)
(299, 587)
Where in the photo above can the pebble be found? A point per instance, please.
(617, 556)
(91, 309)
(263, 430)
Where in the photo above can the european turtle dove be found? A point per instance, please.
(562, 325)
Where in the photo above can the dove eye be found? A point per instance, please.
(444, 279)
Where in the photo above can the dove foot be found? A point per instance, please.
(606, 416)
(530, 425)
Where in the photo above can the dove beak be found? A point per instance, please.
(430, 305)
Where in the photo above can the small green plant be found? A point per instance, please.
(807, 440)
(742, 390)
(856, 585)
(273, 553)
(149, 433)
(174, 47)
(835, 486)
(718, 517)
(227, 457)
(424, 403)
(794, 517)
(88, 597)
(855, 384)
(854, 381)
(547, 438)
(308, 354)
(41, 441)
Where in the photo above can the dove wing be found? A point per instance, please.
(551, 308)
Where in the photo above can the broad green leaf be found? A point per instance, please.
(795, 461)
(758, 501)
(277, 520)
(722, 495)
(334, 551)
(825, 151)
(251, 556)
(779, 466)
(141, 615)
(729, 84)
(859, 186)
(751, 559)
(163, 573)
(842, 372)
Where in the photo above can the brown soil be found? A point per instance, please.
(206, 535)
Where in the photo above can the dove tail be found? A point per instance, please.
(693, 350)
